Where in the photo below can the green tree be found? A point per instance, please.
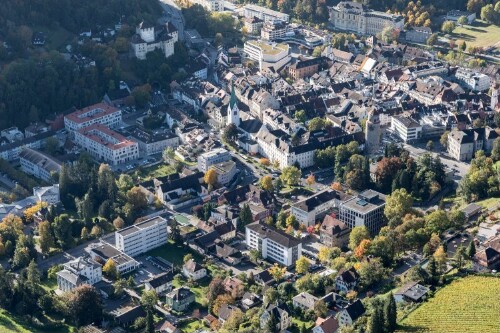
(437, 221)
(266, 183)
(291, 221)
(245, 217)
(462, 20)
(431, 41)
(302, 265)
(357, 235)
(175, 234)
(290, 175)
(376, 320)
(444, 139)
(317, 124)
(471, 250)
(432, 270)
(430, 145)
(390, 313)
(320, 308)
(448, 27)
(84, 305)
(398, 204)
(149, 299)
(46, 239)
(110, 270)
(230, 134)
(460, 256)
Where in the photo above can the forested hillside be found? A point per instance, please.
(74, 15)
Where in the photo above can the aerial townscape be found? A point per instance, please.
(238, 166)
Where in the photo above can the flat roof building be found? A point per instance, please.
(100, 113)
(142, 237)
(366, 209)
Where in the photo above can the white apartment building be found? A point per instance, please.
(316, 206)
(273, 244)
(366, 209)
(48, 194)
(225, 171)
(253, 25)
(263, 13)
(355, 17)
(267, 54)
(106, 145)
(473, 80)
(211, 5)
(148, 38)
(215, 156)
(142, 237)
(83, 270)
(463, 145)
(273, 30)
(406, 128)
(100, 113)
(39, 164)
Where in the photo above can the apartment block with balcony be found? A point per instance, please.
(100, 113)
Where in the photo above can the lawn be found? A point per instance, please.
(478, 34)
(488, 203)
(466, 305)
(12, 324)
(191, 326)
(49, 284)
(297, 324)
(56, 38)
(156, 171)
(174, 253)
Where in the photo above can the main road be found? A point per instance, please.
(173, 13)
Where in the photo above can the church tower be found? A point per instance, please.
(233, 113)
(494, 96)
(372, 131)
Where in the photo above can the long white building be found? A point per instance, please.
(473, 80)
(100, 113)
(355, 17)
(211, 5)
(106, 145)
(316, 206)
(273, 244)
(263, 13)
(142, 237)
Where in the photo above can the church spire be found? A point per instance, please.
(233, 99)
(233, 113)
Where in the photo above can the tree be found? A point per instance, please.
(471, 250)
(302, 265)
(448, 27)
(441, 259)
(320, 308)
(46, 239)
(390, 313)
(187, 257)
(125, 182)
(432, 270)
(149, 299)
(460, 256)
(317, 124)
(137, 199)
(495, 151)
(362, 249)
(175, 233)
(444, 139)
(290, 175)
(389, 34)
(311, 179)
(462, 20)
(291, 221)
(110, 270)
(221, 300)
(254, 255)
(398, 204)
(325, 254)
(84, 305)
(431, 41)
(430, 145)
(277, 272)
(358, 234)
(371, 271)
(230, 134)
(266, 183)
(475, 6)
(376, 320)
(300, 116)
(118, 223)
(437, 221)
(210, 177)
(489, 14)
(245, 217)
(272, 324)
(150, 325)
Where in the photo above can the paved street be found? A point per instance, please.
(173, 14)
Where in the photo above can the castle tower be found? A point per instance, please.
(372, 131)
(233, 113)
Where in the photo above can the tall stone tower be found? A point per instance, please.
(233, 113)
(372, 130)
(494, 96)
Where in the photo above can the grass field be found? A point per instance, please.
(159, 170)
(174, 253)
(478, 34)
(469, 305)
(11, 324)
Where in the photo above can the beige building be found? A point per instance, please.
(267, 54)
(463, 145)
(100, 113)
(355, 17)
(148, 38)
(211, 5)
